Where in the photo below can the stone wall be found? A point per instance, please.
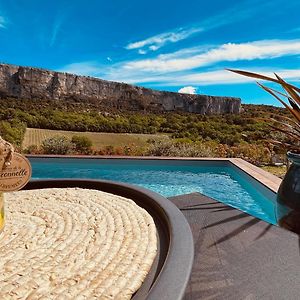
(33, 83)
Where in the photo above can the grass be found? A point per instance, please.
(34, 136)
(278, 171)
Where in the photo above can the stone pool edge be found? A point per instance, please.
(267, 179)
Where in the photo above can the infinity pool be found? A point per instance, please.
(219, 180)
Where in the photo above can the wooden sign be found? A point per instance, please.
(15, 174)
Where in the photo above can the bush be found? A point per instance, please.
(57, 145)
(32, 149)
(255, 154)
(82, 144)
(183, 149)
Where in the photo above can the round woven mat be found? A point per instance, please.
(74, 244)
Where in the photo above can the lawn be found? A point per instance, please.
(279, 171)
(34, 136)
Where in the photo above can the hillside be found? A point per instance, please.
(191, 134)
(228, 132)
(44, 85)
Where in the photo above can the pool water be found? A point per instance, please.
(218, 180)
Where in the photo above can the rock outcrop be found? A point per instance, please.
(33, 83)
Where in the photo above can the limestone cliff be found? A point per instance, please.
(33, 83)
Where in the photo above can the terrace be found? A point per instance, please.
(230, 245)
(237, 256)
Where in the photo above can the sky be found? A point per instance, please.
(180, 46)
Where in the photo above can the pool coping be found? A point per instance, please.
(269, 180)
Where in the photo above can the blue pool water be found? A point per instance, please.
(218, 180)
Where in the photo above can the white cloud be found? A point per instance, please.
(186, 79)
(186, 67)
(109, 58)
(142, 52)
(56, 28)
(265, 49)
(2, 22)
(187, 90)
(155, 42)
(154, 47)
(88, 68)
(240, 12)
(224, 77)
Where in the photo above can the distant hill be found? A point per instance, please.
(38, 84)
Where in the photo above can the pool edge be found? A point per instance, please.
(267, 179)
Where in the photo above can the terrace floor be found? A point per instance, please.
(238, 256)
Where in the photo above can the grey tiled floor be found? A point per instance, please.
(238, 256)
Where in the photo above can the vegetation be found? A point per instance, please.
(13, 131)
(279, 171)
(57, 145)
(82, 144)
(63, 145)
(181, 148)
(183, 134)
(252, 153)
(35, 136)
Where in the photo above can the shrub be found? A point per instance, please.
(32, 149)
(57, 145)
(82, 144)
(175, 148)
(256, 154)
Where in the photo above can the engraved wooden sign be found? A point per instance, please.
(16, 174)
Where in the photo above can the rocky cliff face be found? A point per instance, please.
(34, 83)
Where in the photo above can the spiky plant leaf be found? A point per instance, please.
(259, 76)
(294, 112)
(286, 132)
(291, 128)
(290, 121)
(287, 127)
(290, 90)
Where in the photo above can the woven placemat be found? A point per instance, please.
(74, 244)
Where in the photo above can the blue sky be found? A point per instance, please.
(167, 45)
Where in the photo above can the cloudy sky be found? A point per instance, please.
(162, 44)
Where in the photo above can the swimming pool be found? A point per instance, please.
(217, 179)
